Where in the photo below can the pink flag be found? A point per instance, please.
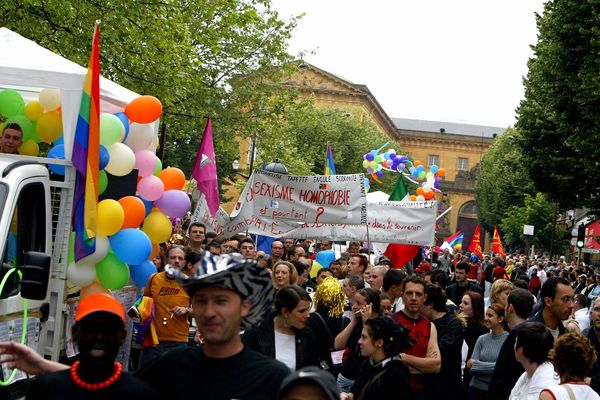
(205, 170)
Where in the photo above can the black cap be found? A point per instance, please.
(311, 374)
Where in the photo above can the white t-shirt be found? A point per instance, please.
(285, 349)
(581, 392)
(529, 389)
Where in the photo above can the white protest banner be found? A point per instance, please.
(306, 199)
(388, 221)
(214, 224)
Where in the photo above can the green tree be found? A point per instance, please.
(504, 180)
(187, 54)
(536, 211)
(560, 115)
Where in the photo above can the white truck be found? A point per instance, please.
(35, 209)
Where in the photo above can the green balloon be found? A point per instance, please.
(112, 272)
(111, 129)
(102, 182)
(24, 123)
(11, 103)
(158, 167)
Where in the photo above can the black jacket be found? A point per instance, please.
(387, 382)
(455, 294)
(261, 338)
(539, 317)
(594, 371)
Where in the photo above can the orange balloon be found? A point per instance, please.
(413, 197)
(441, 172)
(155, 251)
(417, 163)
(144, 109)
(429, 195)
(134, 210)
(420, 191)
(173, 178)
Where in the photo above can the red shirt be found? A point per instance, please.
(419, 330)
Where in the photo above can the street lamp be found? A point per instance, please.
(277, 167)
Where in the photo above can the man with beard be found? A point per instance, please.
(99, 331)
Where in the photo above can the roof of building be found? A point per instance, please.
(456, 128)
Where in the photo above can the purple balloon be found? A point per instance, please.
(174, 203)
(369, 157)
(393, 156)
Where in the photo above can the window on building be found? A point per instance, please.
(433, 159)
(463, 164)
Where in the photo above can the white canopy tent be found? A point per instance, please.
(29, 67)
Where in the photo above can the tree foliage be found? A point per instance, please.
(504, 180)
(536, 211)
(560, 115)
(186, 53)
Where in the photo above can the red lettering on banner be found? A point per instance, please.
(327, 197)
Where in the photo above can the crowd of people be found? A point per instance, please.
(234, 322)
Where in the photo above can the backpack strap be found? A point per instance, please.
(569, 392)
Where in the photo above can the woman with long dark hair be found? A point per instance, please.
(472, 309)
(283, 335)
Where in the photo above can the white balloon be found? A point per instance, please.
(50, 99)
(426, 188)
(122, 160)
(102, 245)
(431, 181)
(420, 198)
(81, 274)
(140, 136)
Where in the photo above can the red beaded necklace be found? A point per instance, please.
(96, 386)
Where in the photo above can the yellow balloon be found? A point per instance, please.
(49, 126)
(34, 110)
(110, 217)
(157, 226)
(29, 148)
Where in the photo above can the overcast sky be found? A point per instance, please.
(459, 60)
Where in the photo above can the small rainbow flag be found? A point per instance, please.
(86, 154)
(329, 165)
(453, 242)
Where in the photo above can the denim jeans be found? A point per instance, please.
(344, 384)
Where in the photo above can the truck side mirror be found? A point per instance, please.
(36, 274)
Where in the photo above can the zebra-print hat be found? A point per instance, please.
(231, 271)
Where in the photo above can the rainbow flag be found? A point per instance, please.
(453, 242)
(86, 154)
(329, 165)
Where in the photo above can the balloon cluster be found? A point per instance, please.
(123, 250)
(375, 163)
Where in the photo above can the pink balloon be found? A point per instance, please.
(145, 162)
(174, 203)
(150, 188)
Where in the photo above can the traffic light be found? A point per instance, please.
(580, 236)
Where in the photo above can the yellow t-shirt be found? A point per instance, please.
(167, 293)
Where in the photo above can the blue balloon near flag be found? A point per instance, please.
(131, 246)
(123, 117)
(141, 273)
(325, 257)
(104, 157)
(57, 152)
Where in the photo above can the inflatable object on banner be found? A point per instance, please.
(150, 188)
(102, 245)
(144, 109)
(174, 203)
(173, 178)
(57, 152)
(11, 103)
(112, 272)
(134, 210)
(50, 99)
(158, 227)
(81, 274)
(145, 162)
(49, 126)
(34, 110)
(141, 273)
(140, 137)
(110, 217)
(111, 129)
(131, 246)
(122, 160)
(325, 257)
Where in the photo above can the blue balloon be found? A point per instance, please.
(123, 117)
(325, 257)
(141, 273)
(147, 204)
(131, 246)
(60, 140)
(57, 152)
(104, 157)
